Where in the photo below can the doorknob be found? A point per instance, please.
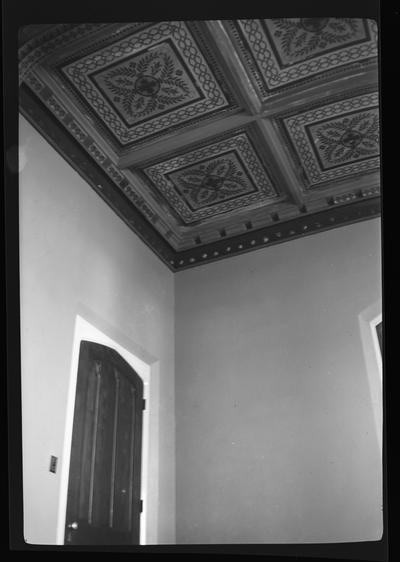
(73, 525)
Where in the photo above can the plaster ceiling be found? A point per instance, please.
(211, 138)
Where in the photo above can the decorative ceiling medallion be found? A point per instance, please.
(214, 179)
(338, 139)
(280, 52)
(148, 85)
(144, 84)
(346, 139)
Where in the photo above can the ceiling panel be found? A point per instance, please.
(283, 52)
(158, 77)
(215, 137)
(336, 140)
(213, 179)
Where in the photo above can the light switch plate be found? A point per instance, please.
(53, 464)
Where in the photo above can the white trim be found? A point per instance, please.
(148, 372)
(377, 348)
(368, 320)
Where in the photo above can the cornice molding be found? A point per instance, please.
(343, 210)
(205, 142)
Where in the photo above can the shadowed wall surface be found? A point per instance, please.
(275, 437)
(275, 431)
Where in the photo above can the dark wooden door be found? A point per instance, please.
(104, 504)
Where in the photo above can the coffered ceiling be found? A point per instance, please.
(212, 138)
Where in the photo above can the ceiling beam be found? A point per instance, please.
(241, 81)
(181, 140)
(347, 82)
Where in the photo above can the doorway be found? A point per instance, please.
(104, 490)
(90, 327)
(370, 321)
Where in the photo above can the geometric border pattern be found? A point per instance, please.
(296, 128)
(335, 134)
(241, 144)
(366, 205)
(295, 40)
(79, 73)
(348, 138)
(151, 81)
(269, 75)
(210, 181)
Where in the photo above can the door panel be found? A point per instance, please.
(125, 449)
(101, 476)
(103, 505)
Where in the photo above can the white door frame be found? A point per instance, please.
(148, 370)
(368, 320)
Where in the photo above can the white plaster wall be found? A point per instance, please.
(275, 435)
(276, 439)
(76, 254)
